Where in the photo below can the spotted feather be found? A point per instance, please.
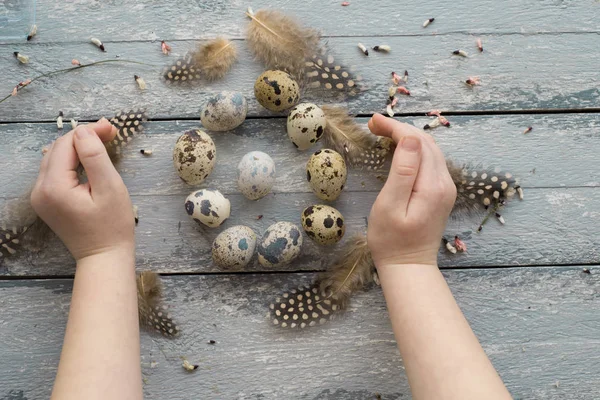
(129, 124)
(302, 307)
(330, 293)
(323, 74)
(153, 314)
(478, 188)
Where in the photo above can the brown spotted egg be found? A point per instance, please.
(234, 247)
(208, 207)
(323, 224)
(280, 244)
(224, 111)
(326, 174)
(194, 156)
(276, 90)
(305, 125)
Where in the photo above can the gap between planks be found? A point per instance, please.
(6, 278)
(466, 113)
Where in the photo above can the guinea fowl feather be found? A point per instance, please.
(316, 304)
(358, 146)
(210, 61)
(152, 313)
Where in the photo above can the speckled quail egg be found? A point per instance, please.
(194, 156)
(276, 90)
(224, 111)
(234, 247)
(280, 244)
(323, 224)
(208, 207)
(256, 175)
(305, 125)
(326, 174)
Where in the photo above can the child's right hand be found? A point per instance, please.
(90, 218)
(409, 216)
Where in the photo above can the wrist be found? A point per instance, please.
(123, 256)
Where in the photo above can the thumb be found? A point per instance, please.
(403, 172)
(101, 174)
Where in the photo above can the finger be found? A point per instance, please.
(404, 170)
(44, 164)
(382, 126)
(101, 174)
(63, 162)
(104, 129)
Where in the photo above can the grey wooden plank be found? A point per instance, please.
(552, 226)
(515, 72)
(146, 19)
(491, 141)
(539, 327)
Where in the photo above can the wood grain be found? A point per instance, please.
(518, 72)
(490, 141)
(117, 20)
(536, 325)
(552, 226)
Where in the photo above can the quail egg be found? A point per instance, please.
(256, 175)
(276, 90)
(208, 207)
(224, 111)
(234, 247)
(194, 156)
(280, 244)
(323, 224)
(326, 174)
(305, 125)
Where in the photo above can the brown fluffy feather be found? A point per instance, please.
(314, 305)
(351, 273)
(359, 147)
(280, 42)
(152, 313)
(215, 58)
(210, 61)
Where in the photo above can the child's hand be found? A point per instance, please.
(409, 216)
(90, 218)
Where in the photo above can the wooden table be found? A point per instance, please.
(521, 285)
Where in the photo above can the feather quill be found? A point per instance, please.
(152, 313)
(331, 292)
(280, 42)
(210, 61)
(359, 147)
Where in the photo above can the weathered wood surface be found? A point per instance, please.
(541, 230)
(552, 226)
(517, 72)
(151, 20)
(491, 141)
(538, 325)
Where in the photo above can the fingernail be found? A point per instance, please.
(411, 143)
(83, 132)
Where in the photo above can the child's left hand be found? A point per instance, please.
(93, 217)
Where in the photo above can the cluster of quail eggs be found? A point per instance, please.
(195, 156)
